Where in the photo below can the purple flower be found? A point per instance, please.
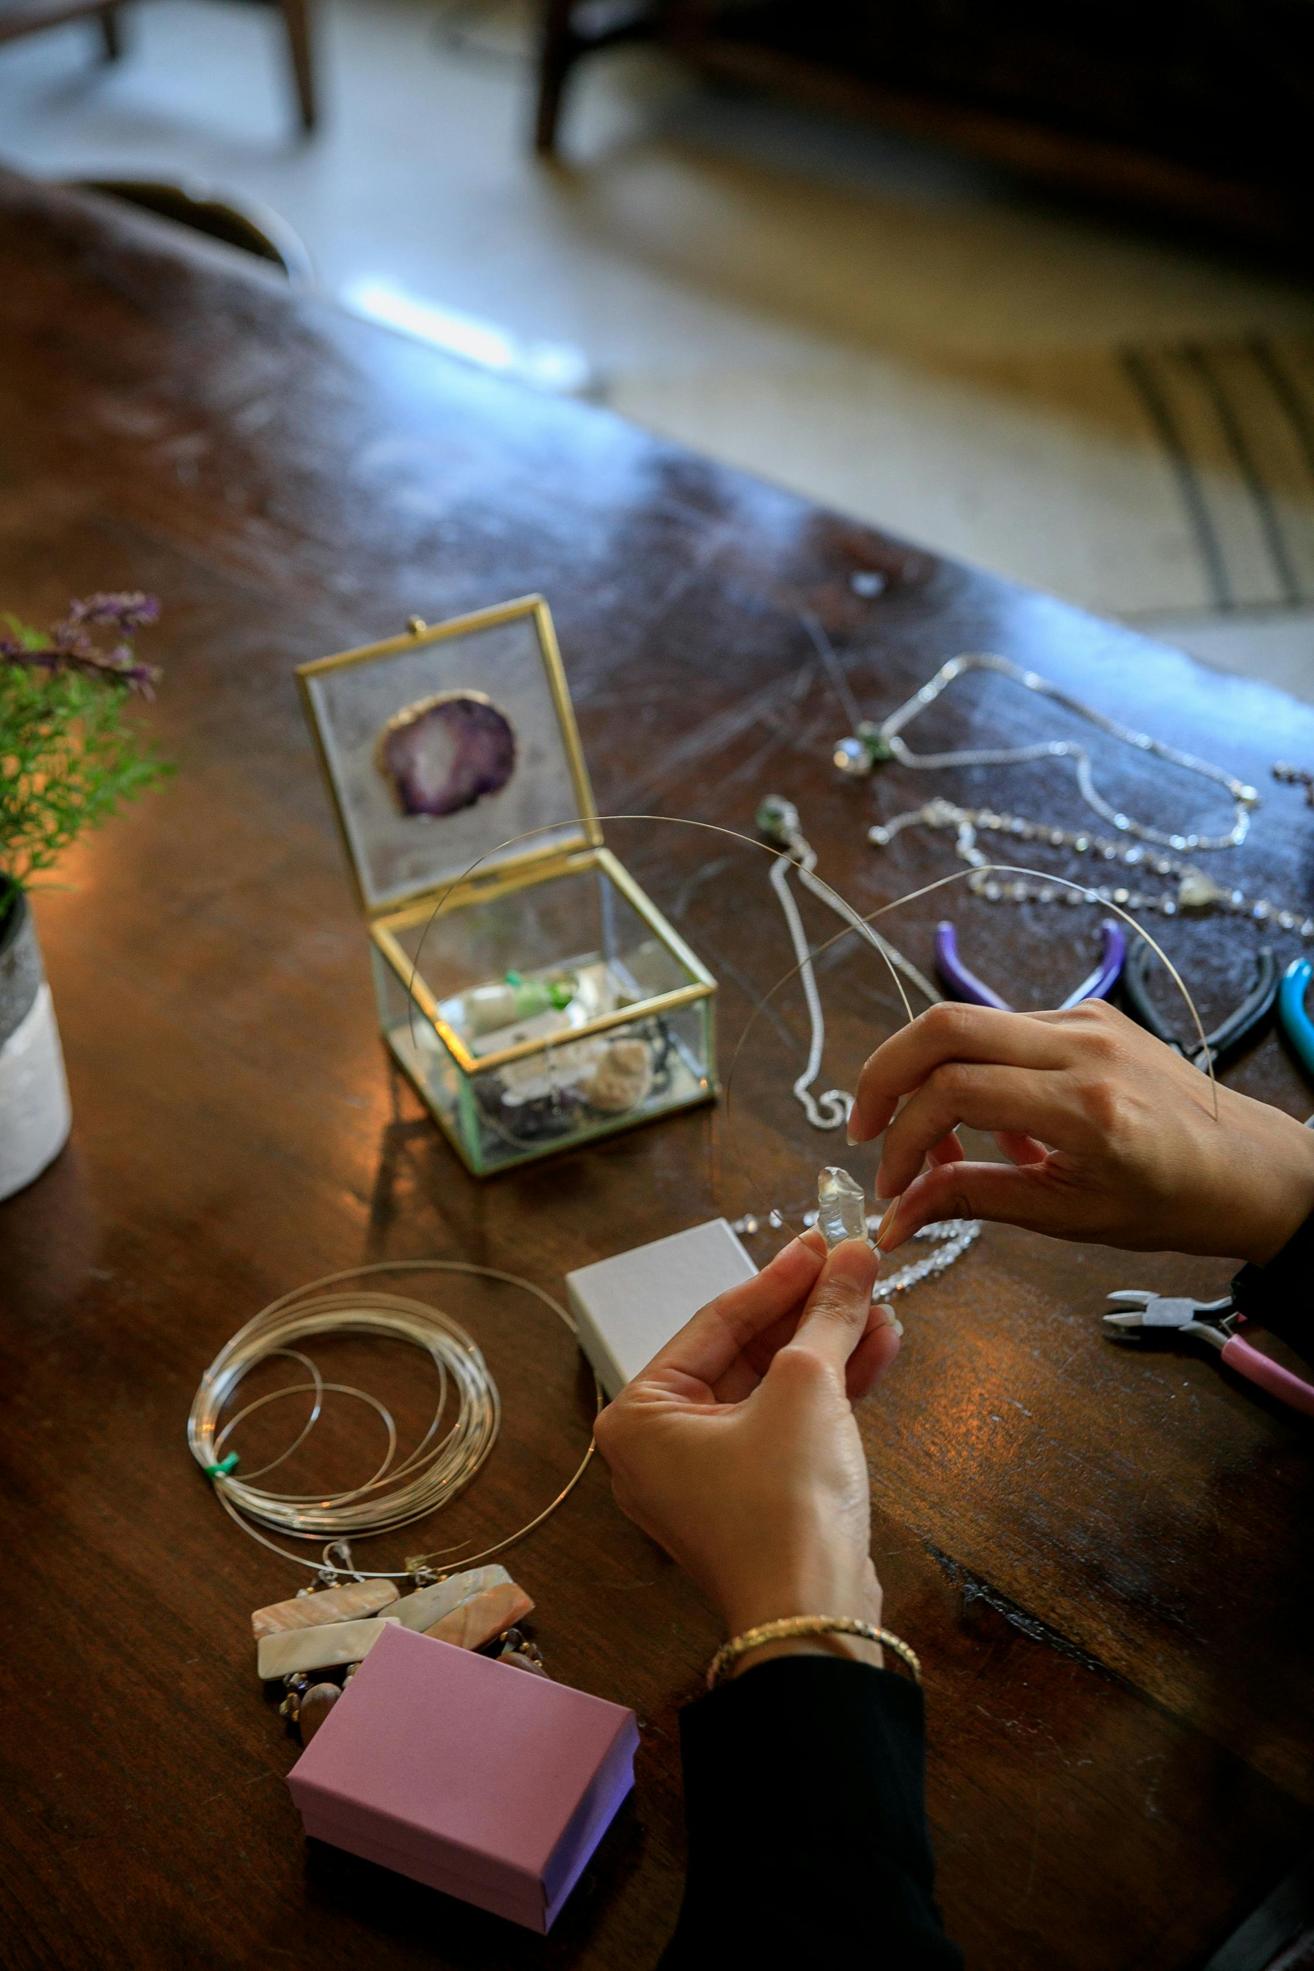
(68, 646)
(125, 610)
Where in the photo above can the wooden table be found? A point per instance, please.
(1098, 1553)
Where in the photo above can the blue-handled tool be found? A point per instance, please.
(1292, 1012)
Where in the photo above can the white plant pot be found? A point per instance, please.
(34, 1107)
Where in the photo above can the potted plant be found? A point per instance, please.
(69, 757)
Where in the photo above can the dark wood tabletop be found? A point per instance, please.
(1098, 1553)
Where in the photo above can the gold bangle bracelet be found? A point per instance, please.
(789, 1627)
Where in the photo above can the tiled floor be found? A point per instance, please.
(905, 335)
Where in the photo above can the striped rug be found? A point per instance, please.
(1172, 485)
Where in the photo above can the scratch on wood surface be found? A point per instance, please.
(691, 885)
(769, 1011)
(1151, 1807)
(974, 1589)
(711, 739)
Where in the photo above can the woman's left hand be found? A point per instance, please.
(737, 1448)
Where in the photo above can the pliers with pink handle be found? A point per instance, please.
(1214, 1321)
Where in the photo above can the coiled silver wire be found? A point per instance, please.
(395, 1495)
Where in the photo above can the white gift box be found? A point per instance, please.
(628, 1307)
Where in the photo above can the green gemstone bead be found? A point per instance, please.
(876, 746)
(776, 818)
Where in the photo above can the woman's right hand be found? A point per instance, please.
(738, 1451)
(1110, 1135)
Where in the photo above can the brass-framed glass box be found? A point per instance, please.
(527, 986)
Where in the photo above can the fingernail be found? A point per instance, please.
(853, 1261)
(878, 1183)
(891, 1318)
(852, 1131)
(810, 1242)
(886, 1222)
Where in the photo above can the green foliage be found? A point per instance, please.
(69, 757)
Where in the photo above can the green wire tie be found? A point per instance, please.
(222, 1469)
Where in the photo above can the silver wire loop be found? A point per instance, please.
(396, 1494)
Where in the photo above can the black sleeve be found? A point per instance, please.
(807, 1831)
(1280, 1295)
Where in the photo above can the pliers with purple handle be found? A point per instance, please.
(963, 984)
(1213, 1321)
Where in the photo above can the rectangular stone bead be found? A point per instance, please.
(483, 1616)
(318, 1649)
(340, 1604)
(429, 1605)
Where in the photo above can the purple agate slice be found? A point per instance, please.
(449, 755)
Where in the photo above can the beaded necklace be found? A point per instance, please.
(1191, 890)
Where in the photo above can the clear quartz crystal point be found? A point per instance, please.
(841, 1207)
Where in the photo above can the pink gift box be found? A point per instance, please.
(476, 1778)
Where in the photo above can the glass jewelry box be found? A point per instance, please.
(528, 988)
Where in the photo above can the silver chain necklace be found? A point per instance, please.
(1193, 890)
(778, 820)
(874, 743)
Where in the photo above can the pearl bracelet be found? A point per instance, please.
(789, 1627)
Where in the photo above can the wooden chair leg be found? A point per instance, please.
(296, 20)
(110, 34)
(557, 52)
